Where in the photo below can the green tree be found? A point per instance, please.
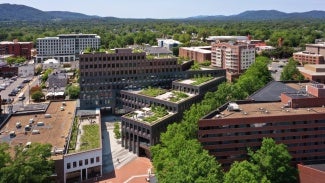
(29, 165)
(273, 160)
(290, 72)
(117, 130)
(244, 172)
(73, 91)
(38, 96)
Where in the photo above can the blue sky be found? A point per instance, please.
(169, 8)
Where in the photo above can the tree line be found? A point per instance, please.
(180, 157)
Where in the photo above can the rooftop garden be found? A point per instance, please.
(152, 92)
(177, 96)
(137, 51)
(201, 79)
(181, 60)
(158, 112)
(90, 138)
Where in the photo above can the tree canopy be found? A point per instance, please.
(290, 72)
(27, 164)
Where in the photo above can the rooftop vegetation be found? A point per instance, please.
(181, 60)
(90, 138)
(73, 138)
(158, 112)
(177, 96)
(152, 92)
(201, 79)
(137, 51)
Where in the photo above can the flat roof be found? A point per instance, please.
(318, 45)
(54, 131)
(272, 91)
(266, 109)
(320, 167)
(311, 72)
(198, 49)
(165, 96)
(307, 53)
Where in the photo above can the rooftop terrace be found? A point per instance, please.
(150, 115)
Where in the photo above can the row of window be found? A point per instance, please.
(83, 162)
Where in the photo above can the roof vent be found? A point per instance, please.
(233, 107)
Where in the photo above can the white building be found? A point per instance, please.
(168, 43)
(50, 63)
(65, 47)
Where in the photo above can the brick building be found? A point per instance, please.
(235, 57)
(307, 57)
(314, 173)
(199, 54)
(313, 72)
(298, 121)
(16, 48)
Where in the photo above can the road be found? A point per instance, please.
(278, 67)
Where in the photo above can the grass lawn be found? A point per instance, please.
(90, 138)
(153, 92)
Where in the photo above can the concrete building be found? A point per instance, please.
(16, 48)
(313, 72)
(314, 173)
(212, 39)
(65, 47)
(306, 57)
(168, 43)
(261, 48)
(51, 64)
(141, 128)
(199, 54)
(318, 48)
(296, 119)
(235, 57)
(103, 75)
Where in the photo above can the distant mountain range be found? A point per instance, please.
(13, 12)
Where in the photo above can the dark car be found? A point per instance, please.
(12, 94)
(26, 80)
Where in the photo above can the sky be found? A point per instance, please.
(168, 8)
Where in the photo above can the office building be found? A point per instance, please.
(199, 53)
(16, 48)
(103, 75)
(65, 47)
(235, 57)
(141, 128)
(296, 119)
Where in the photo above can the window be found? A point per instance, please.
(68, 165)
(91, 160)
(80, 162)
(86, 161)
(97, 159)
(74, 164)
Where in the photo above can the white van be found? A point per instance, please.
(40, 123)
(35, 132)
(47, 115)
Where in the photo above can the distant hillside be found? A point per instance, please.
(11, 12)
(265, 15)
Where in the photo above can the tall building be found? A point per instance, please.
(103, 75)
(16, 48)
(296, 119)
(235, 57)
(65, 47)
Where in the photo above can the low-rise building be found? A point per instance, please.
(199, 54)
(306, 57)
(168, 43)
(50, 64)
(313, 72)
(16, 48)
(297, 120)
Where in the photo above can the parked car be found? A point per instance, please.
(12, 94)
(26, 80)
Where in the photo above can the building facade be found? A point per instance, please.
(313, 72)
(65, 47)
(298, 121)
(318, 48)
(103, 75)
(168, 43)
(16, 48)
(137, 133)
(306, 57)
(235, 57)
(199, 54)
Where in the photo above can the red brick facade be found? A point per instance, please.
(21, 49)
(310, 174)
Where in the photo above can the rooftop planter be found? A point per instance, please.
(200, 80)
(177, 96)
(152, 92)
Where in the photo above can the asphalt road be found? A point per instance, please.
(277, 67)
